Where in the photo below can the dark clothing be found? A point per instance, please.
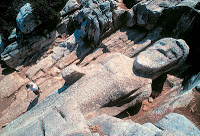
(36, 92)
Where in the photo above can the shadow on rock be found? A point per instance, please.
(63, 88)
(33, 103)
(130, 111)
(6, 70)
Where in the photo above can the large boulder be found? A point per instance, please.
(147, 14)
(164, 55)
(111, 82)
(184, 23)
(26, 20)
(98, 18)
(71, 5)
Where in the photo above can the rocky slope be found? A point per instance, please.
(103, 61)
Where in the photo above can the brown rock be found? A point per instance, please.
(145, 102)
(150, 100)
(145, 108)
(10, 84)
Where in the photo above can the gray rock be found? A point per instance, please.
(10, 84)
(93, 28)
(26, 20)
(105, 7)
(15, 55)
(71, 74)
(198, 87)
(71, 5)
(13, 46)
(189, 3)
(131, 18)
(82, 14)
(112, 126)
(34, 128)
(13, 35)
(147, 14)
(193, 82)
(153, 128)
(90, 4)
(1, 45)
(178, 123)
(183, 22)
(164, 55)
(118, 15)
(99, 18)
(109, 82)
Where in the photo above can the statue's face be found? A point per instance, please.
(165, 55)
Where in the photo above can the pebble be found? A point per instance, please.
(145, 102)
(145, 108)
(150, 100)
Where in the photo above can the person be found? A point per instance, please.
(34, 88)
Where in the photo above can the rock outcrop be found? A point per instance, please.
(16, 53)
(26, 21)
(103, 58)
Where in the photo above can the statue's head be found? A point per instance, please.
(163, 56)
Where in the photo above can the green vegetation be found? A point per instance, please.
(45, 10)
(48, 12)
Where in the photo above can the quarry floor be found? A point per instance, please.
(138, 113)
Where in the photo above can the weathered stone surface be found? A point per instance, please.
(10, 84)
(177, 101)
(71, 74)
(182, 23)
(107, 82)
(13, 35)
(147, 14)
(113, 126)
(123, 39)
(67, 60)
(92, 56)
(34, 128)
(118, 15)
(131, 18)
(26, 20)
(1, 45)
(71, 5)
(96, 21)
(19, 106)
(193, 82)
(164, 55)
(198, 87)
(15, 54)
(178, 123)
(43, 65)
(153, 128)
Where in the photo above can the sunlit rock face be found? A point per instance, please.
(164, 55)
